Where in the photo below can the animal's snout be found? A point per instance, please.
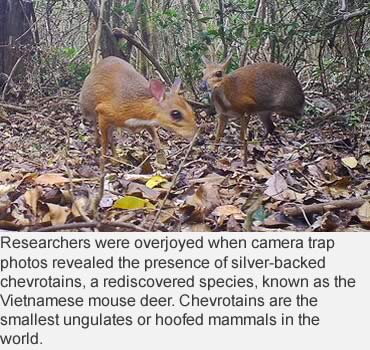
(203, 86)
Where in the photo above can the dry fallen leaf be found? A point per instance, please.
(138, 190)
(51, 179)
(350, 162)
(364, 214)
(166, 214)
(7, 176)
(4, 189)
(143, 178)
(196, 228)
(276, 186)
(330, 222)
(233, 225)
(261, 169)
(80, 207)
(227, 210)
(365, 160)
(57, 214)
(202, 202)
(31, 198)
(5, 204)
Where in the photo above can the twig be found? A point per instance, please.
(10, 76)
(307, 179)
(348, 16)
(120, 33)
(305, 216)
(98, 35)
(98, 198)
(174, 155)
(15, 108)
(141, 164)
(175, 178)
(329, 142)
(119, 161)
(320, 208)
(93, 224)
(82, 49)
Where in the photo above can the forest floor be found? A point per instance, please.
(50, 178)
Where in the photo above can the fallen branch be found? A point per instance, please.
(320, 208)
(15, 108)
(173, 183)
(93, 224)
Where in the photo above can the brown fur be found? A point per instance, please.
(261, 89)
(115, 92)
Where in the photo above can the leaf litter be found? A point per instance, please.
(49, 175)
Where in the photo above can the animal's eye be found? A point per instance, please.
(219, 74)
(176, 115)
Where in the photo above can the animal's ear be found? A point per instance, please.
(227, 61)
(157, 89)
(206, 61)
(175, 88)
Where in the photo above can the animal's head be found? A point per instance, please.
(214, 73)
(174, 112)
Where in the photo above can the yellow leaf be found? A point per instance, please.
(155, 181)
(131, 202)
(350, 162)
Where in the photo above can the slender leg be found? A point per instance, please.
(161, 157)
(153, 133)
(104, 131)
(222, 121)
(244, 121)
(267, 122)
(111, 141)
(96, 132)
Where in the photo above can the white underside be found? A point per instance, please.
(229, 112)
(140, 123)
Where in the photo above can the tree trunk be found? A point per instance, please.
(197, 12)
(16, 37)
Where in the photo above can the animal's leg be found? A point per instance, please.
(267, 122)
(222, 121)
(161, 157)
(96, 131)
(111, 142)
(104, 137)
(244, 121)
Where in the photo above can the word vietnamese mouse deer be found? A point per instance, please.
(115, 95)
(262, 89)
